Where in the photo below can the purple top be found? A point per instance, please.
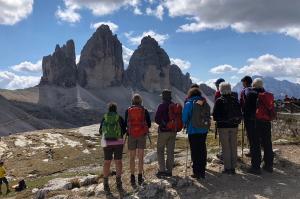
(162, 115)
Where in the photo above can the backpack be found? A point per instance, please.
(175, 123)
(136, 122)
(265, 110)
(232, 109)
(200, 115)
(111, 127)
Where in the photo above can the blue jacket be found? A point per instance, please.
(187, 114)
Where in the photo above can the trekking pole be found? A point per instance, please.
(243, 139)
(187, 154)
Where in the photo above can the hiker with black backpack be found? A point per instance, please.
(138, 122)
(168, 117)
(248, 109)
(196, 118)
(112, 130)
(261, 137)
(227, 114)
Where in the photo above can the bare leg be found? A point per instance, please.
(119, 165)
(141, 160)
(132, 155)
(106, 168)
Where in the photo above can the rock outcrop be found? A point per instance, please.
(60, 68)
(101, 62)
(178, 79)
(148, 67)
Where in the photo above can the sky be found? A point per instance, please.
(207, 38)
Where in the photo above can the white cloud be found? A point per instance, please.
(136, 40)
(241, 15)
(221, 69)
(182, 64)
(158, 12)
(127, 53)
(13, 11)
(270, 65)
(77, 58)
(98, 8)
(9, 80)
(113, 27)
(137, 11)
(69, 14)
(27, 66)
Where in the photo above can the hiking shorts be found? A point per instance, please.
(136, 143)
(113, 152)
(3, 180)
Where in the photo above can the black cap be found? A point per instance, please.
(219, 81)
(247, 79)
(166, 95)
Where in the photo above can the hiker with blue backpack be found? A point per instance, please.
(196, 119)
(112, 129)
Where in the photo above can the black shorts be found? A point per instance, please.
(3, 180)
(113, 152)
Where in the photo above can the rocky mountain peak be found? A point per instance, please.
(149, 41)
(60, 68)
(178, 79)
(101, 62)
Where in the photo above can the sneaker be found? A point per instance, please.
(132, 180)
(160, 174)
(254, 171)
(268, 169)
(140, 179)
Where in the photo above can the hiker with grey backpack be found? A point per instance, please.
(196, 119)
(112, 129)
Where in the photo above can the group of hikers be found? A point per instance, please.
(255, 107)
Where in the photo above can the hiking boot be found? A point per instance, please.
(119, 184)
(132, 180)
(232, 172)
(268, 169)
(226, 171)
(254, 171)
(106, 185)
(140, 179)
(168, 174)
(160, 174)
(248, 155)
(0, 193)
(195, 176)
(7, 192)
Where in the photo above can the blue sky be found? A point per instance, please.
(208, 39)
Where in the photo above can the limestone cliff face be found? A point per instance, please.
(179, 80)
(148, 67)
(60, 68)
(101, 62)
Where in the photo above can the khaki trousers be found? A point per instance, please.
(166, 140)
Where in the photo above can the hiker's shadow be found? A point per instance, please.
(282, 183)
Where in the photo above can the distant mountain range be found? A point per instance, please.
(279, 88)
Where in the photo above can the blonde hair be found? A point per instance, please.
(137, 100)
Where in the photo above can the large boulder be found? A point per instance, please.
(148, 67)
(101, 62)
(60, 68)
(178, 79)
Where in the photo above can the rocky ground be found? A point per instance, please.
(67, 163)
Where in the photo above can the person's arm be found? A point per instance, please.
(126, 118)
(148, 119)
(122, 125)
(186, 114)
(217, 110)
(101, 125)
(158, 115)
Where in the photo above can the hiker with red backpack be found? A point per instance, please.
(168, 117)
(227, 114)
(196, 119)
(112, 130)
(261, 136)
(138, 123)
